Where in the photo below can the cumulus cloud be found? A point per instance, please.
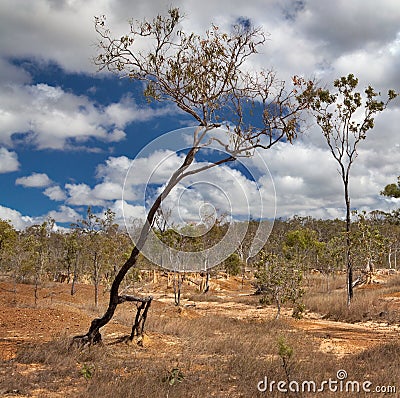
(345, 27)
(49, 117)
(8, 161)
(19, 221)
(60, 31)
(304, 175)
(82, 194)
(307, 180)
(126, 214)
(55, 193)
(305, 35)
(35, 180)
(155, 169)
(311, 38)
(64, 214)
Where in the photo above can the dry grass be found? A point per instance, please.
(216, 355)
(370, 302)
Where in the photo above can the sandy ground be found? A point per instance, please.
(58, 313)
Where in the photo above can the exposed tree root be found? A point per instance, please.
(93, 336)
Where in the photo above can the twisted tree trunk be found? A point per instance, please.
(93, 335)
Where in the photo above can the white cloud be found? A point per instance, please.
(108, 191)
(55, 193)
(82, 194)
(223, 188)
(49, 117)
(17, 219)
(305, 177)
(344, 26)
(35, 180)
(156, 169)
(8, 161)
(64, 214)
(126, 214)
(114, 169)
(305, 35)
(60, 31)
(310, 37)
(308, 183)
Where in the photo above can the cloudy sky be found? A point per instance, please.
(68, 134)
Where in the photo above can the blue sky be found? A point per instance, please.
(76, 162)
(68, 133)
(69, 161)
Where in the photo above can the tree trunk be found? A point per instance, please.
(96, 280)
(348, 244)
(177, 288)
(141, 314)
(93, 335)
(75, 276)
(327, 282)
(207, 287)
(68, 272)
(36, 296)
(278, 306)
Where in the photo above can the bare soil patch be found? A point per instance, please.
(223, 343)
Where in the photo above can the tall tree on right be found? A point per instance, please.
(345, 115)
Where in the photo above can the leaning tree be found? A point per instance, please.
(206, 77)
(345, 116)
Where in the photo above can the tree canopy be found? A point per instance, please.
(392, 190)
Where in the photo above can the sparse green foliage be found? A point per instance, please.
(233, 264)
(174, 376)
(279, 281)
(87, 371)
(99, 244)
(368, 242)
(344, 116)
(8, 238)
(392, 190)
(303, 247)
(285, 352)
(38, 243)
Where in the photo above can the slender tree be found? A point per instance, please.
(38, 238)
(205, 77)
(369, 242)
(98, 232)
(279, 280)
(345, 116)
(393, 223)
